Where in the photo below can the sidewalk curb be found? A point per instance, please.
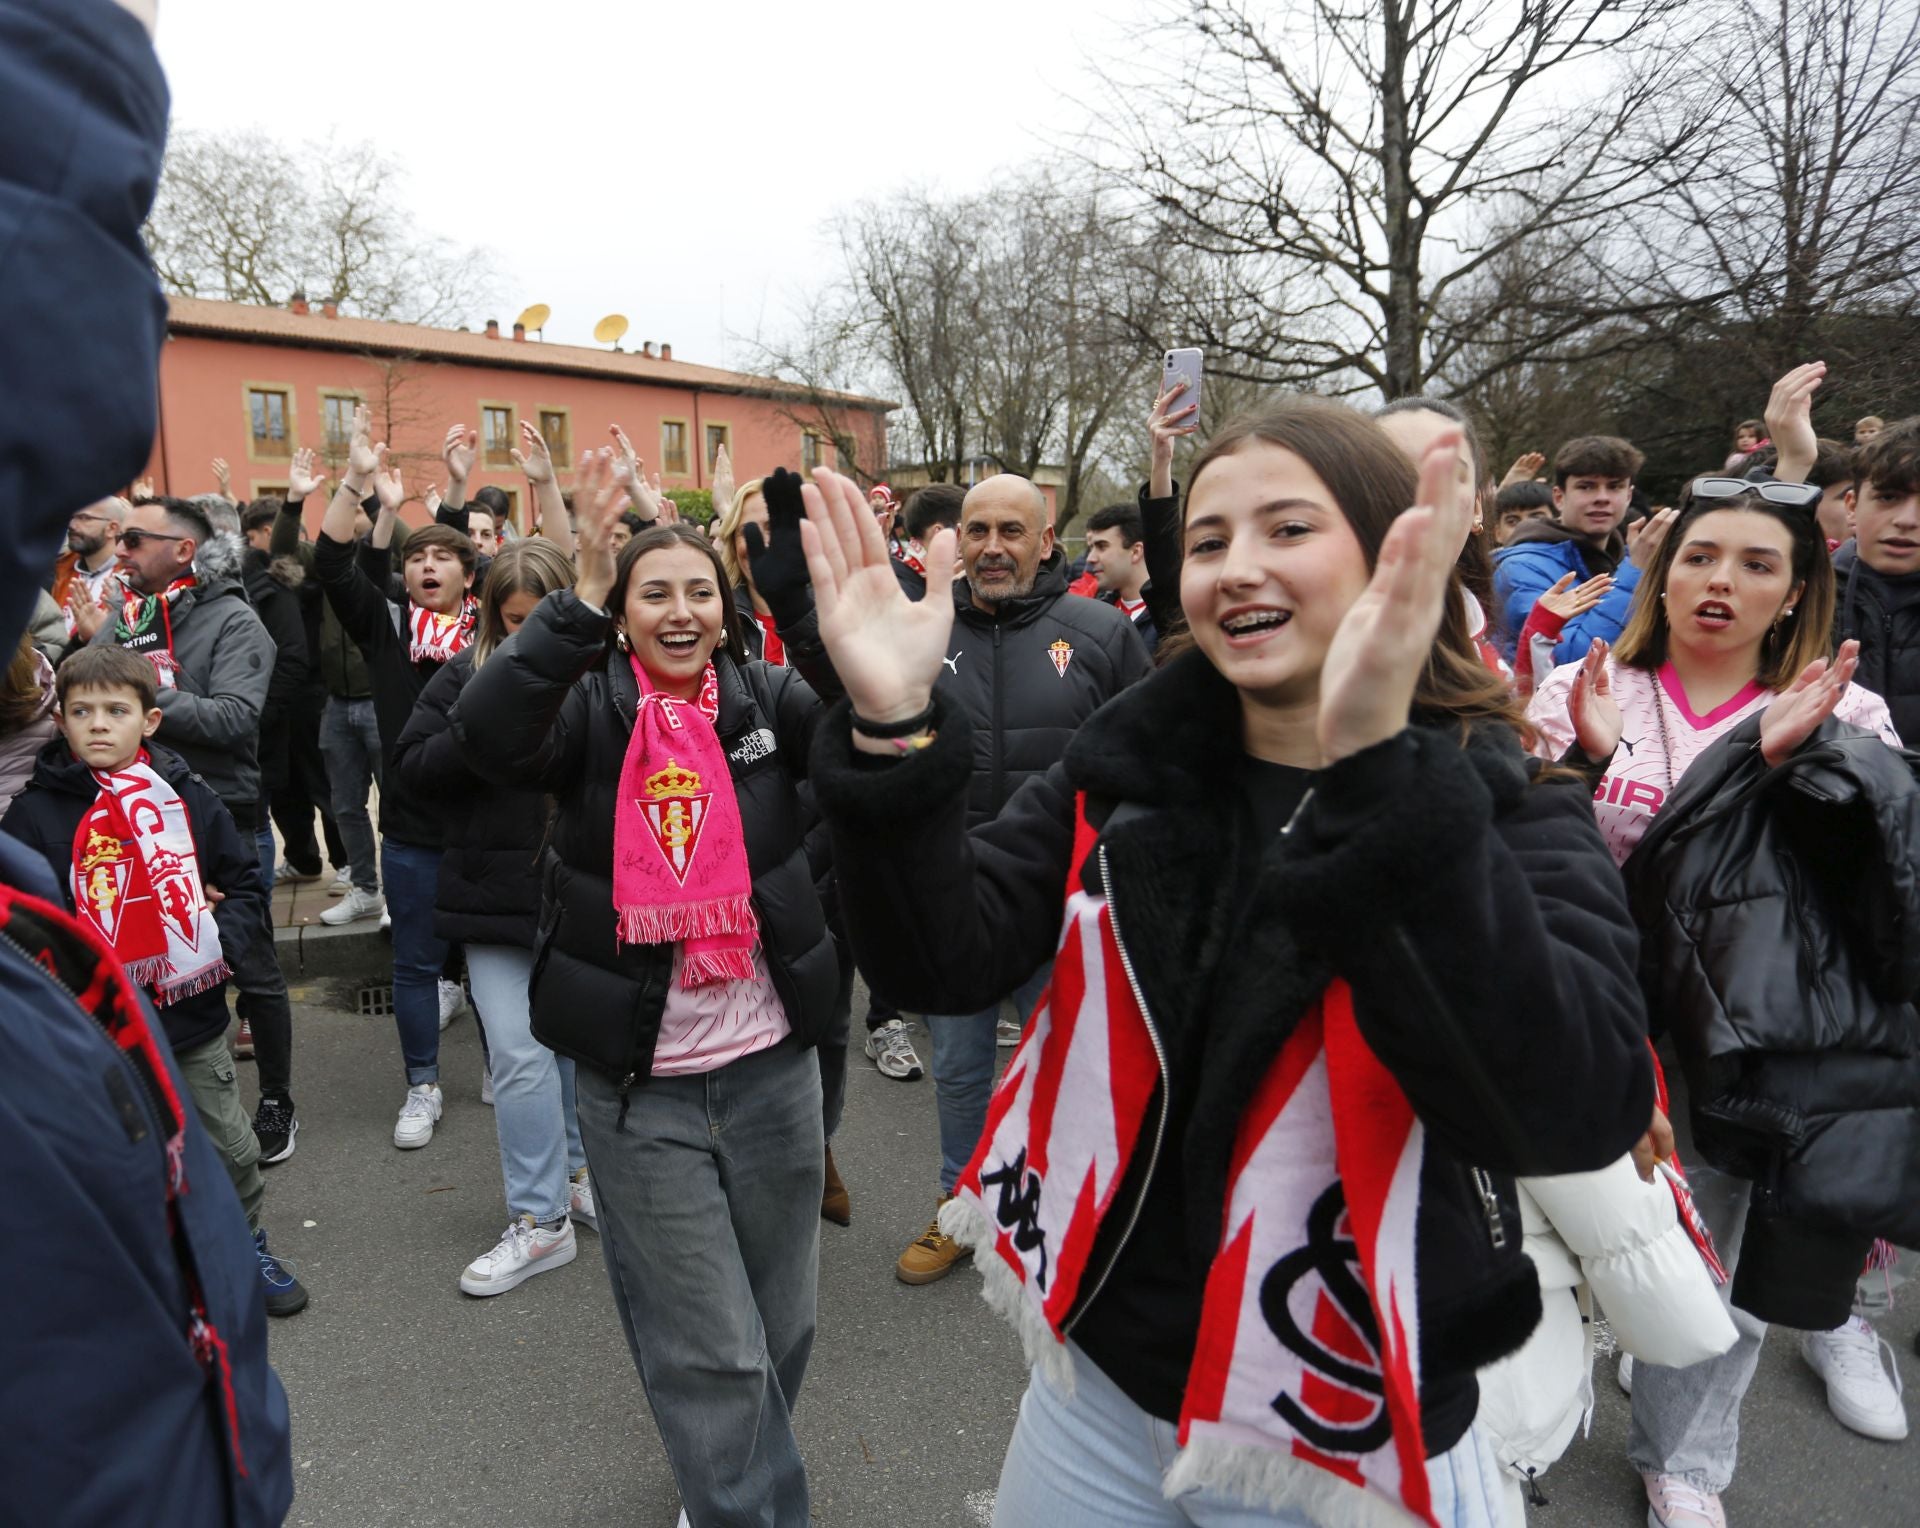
(310, 950)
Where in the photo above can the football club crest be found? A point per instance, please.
(1062, 654)
(675, 810)
(104, 871)
(179, 898)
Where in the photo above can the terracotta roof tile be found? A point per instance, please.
(235, 320)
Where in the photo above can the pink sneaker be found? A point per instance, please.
(1674, 1503)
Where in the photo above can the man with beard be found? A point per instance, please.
(1028, 662)
(81, 574)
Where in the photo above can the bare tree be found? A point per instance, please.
(1334, 167)
(244, 217)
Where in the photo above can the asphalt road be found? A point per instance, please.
(416, 1405)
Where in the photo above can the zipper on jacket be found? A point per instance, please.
(999, 724)
(1160, 1118)
(1490, 1207)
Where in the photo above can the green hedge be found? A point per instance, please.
(696, 504)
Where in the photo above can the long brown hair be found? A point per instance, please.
(22, 700)
(1373, 483)
(532, 565)
(656, 538)
(1791, 643)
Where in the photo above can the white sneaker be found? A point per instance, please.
(355, 904)
(486, 1084)
(417, 1116)
(1623, 1376)
(341, 884)
(1673, 1503)
(889, 1049)
(453, 998)
(580, 1201)
(1006, 1033)
(683, 1523)
(386, 920)
(1863, 1387)
(523, 1250)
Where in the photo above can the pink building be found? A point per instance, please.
(254, 384)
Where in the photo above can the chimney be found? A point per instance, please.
(493, 328)
(646, 347)
(520, 331)
(330, 309)
(666, 351)
(299, 303)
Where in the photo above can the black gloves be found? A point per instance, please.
(779, 563)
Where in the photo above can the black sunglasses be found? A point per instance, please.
(131, 539)
(1786, 495)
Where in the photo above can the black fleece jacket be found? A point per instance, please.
(354, 587)
(1476, 916)
(489, 889)
(46, 816)
(553, 710)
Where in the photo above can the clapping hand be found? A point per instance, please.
(1591, 708)
(722, 482)
(777, 565)
(1789, 419)
(1568, 602)
(598, 501)
(536, 461)
(303, 475)
(458, 451)
(387, 486)
(88, 617)
(1526, 467)
(1645, 539)
(1385, 640)
(886, 648)
(223, 476)
(1796, 712)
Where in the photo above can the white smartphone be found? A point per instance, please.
(1183, 366)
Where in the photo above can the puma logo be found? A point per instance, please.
(1628, 744)
(953, 664)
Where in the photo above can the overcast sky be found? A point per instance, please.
(672, 162)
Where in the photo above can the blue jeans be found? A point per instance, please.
(350, 743)
(412, 875)
(1098, 1461)
(264, 850)
(532, 1087)
(709, 1202)
(965, 1056)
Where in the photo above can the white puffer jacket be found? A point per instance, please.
(1612, 1239)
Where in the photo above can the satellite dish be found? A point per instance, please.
(610, 328)
(535, 317)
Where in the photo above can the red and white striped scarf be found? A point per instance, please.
(436, 638)
(1305, 1381)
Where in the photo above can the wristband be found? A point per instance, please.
(886, 731)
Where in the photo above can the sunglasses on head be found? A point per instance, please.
(131, 539)
(1786, 495)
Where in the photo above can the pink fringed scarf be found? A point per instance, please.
(679, 856)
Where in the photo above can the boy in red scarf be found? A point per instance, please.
(141, 843)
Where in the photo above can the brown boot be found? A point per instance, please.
(834, 1203)
(933, 1256)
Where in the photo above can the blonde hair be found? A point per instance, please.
(730, 519)
(532, 565)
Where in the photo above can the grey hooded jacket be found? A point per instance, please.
(224, 659)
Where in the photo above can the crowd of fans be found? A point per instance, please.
(1385, 878)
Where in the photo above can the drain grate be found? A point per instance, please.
(375, 1002)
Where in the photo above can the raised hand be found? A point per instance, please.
(223, 476)
(387, 486)
(431, 498)
(88, 617)
(141, 491)
(304, 474)
(777, 564)
(536, 461)
(1645, 539)
(1591, 708)
(1526, 467)
(1384, 641)
(1566, 601)
(458, 451)
(886, 648)
(1169, 420)
(1789, 419)
(598, 501)
(1792, 716)
(722, 482)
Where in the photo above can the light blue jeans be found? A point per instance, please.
(708, 1195)
(532, 1087)
(1098, 1460)
(965, 1057)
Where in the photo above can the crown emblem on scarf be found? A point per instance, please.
(102, 849)
(675, 780)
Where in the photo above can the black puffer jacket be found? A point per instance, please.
(1029, 674)
(489, 889)
(553, 708)
(1882, 614)
(1780, 911)
(1476, 916)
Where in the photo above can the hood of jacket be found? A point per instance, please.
(1049, 583)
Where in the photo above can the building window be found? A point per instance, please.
(718, 435)
(556, 429)
(673, 447)
(811, 454)
(497, 435)
(513, 507)
(336, 416)
(269, 412)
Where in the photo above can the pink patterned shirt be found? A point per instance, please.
(1656, 718)
(705, 1028)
